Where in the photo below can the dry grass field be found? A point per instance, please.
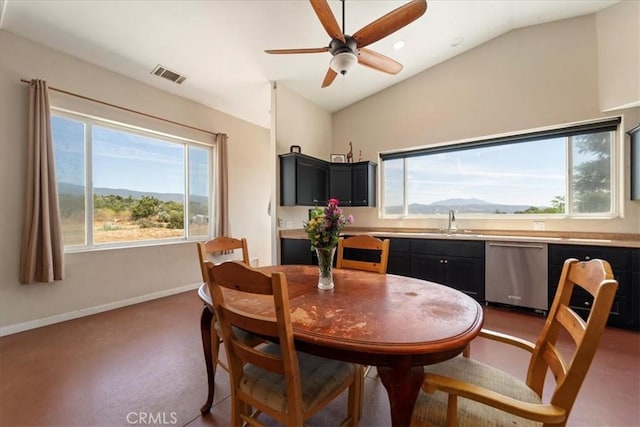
(127, 232)
(123, 231)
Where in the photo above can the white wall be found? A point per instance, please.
(544, 75)
(618, 30)
(108, 278)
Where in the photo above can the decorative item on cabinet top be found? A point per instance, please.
(350, 153)
(338, 158)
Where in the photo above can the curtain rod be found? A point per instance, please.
(125, 109)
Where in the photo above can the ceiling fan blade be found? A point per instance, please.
(378, 61)
(287, 51)
(329, 77)
(328, 21)
(390, 22)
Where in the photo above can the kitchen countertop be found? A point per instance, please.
(573, 238)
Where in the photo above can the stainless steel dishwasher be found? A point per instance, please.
(516, 274)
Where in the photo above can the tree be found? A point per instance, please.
(558, 204)
(145, 207)
(592, 176)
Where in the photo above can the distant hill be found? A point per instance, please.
(460, 202)
(66, 188)
(460, 206)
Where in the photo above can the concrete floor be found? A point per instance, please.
(143, 365)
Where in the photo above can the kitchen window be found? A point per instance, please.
(120, 185)
(566, 172)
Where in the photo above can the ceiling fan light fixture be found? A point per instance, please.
(342, 62)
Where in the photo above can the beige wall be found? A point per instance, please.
(534, 77)
(298, 122)
(108, 278)
(618, 30)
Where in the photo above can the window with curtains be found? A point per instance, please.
(567, 172)
(121, 186)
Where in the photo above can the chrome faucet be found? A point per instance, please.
(452, 228)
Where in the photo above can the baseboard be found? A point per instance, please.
(32, 324)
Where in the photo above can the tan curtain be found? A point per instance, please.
(222, 226)
(42, 252)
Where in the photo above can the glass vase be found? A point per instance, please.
(325, 265)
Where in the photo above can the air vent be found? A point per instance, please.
(168, 74)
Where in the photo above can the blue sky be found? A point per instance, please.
(530, 173)
(128, 160)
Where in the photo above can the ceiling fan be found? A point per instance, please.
(347, 50)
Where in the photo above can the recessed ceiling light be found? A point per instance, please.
(455, 42)
(398, 45)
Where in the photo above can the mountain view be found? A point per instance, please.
(78, 190)
(461, 206)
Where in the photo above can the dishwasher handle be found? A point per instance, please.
(516, 245)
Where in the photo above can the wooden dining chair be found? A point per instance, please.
(212, 333)
(273, 379)
(491, 395)
(368, 243)
(218, 246)
(380, 251)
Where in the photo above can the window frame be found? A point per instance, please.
(89, 121)
(610, 124)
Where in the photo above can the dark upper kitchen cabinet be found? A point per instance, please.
(340, 182)
(353, 184)
(625, 311)
(363, 184)
(307, 181)
(635, 162)
(304, 180)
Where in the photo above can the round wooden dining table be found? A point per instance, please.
(395, 323)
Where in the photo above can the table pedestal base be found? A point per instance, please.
(402, 382)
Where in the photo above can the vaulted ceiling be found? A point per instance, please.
(219, 45)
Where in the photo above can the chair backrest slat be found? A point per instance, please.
(252, 323)
(572, 323)
(368, 243)
(250, 355)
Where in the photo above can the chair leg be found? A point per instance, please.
(355, 398)
(206, 329)
(364, 370)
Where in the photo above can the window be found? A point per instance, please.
(564, 172)
(131, 186)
